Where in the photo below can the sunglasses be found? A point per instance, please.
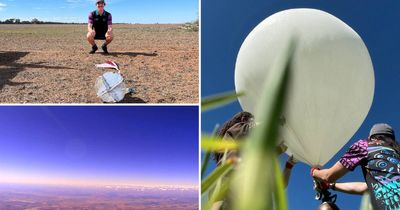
(100, 3)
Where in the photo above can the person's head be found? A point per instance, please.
(241, 117)
(100, 5)
(382, 132)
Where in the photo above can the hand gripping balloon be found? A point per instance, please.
(332, 80)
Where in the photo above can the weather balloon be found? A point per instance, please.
(332, 80)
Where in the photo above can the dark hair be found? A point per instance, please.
(241, 117)
(237, 118)
(393, 144)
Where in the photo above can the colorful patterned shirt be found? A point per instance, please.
(380, 164)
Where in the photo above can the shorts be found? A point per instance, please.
(101, 37)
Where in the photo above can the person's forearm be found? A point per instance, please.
(90, 27)
(286, 175)
(332, 174)
(356, 188)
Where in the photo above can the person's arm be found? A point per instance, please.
(355, 188)
(288, 170)
(332, 174)
(90, 23)
(351, 159)
(109, 23)
(90, 27)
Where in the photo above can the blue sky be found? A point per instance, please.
(126, 11)
(99, 145)
(225, 25)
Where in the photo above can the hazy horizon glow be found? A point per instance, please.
(98, 146)
(18, 178)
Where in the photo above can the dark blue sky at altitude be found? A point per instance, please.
(225, 25)
(120, 144)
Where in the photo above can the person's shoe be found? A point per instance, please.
(104, 47)
(94, 49)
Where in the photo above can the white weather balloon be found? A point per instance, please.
(332, 80)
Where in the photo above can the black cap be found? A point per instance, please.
(98, 1)
(382, 128)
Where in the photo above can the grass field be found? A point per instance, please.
(51, 64)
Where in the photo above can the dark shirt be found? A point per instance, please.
(100, 23)
(380, 164)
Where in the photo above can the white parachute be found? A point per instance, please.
(110, 86)
(332, 80)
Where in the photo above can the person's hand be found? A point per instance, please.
(320, 185)
(93, 32)
(290, 162)
(312, 171)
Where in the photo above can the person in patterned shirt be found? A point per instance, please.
(379, 158)
(100, 27)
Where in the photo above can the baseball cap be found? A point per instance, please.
(100, 1)
(382, 128)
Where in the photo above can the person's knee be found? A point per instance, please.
(109, 36)
(90, 36)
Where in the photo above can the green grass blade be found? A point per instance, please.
(280, 196)
(212, 144)
(219, 100)
(254, 185)
(218, 173)
(207, 156)
(205, 163)
(219, 193)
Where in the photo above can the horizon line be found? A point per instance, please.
(102, 185)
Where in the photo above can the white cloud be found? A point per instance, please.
(2, 6)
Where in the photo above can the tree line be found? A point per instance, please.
(33, 21)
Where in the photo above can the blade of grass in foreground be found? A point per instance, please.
(254, 184)
(207, 155)
(280, 198)
(219, 172)
(218, 186)
(220, 192)
(219, 100)
(212, 144)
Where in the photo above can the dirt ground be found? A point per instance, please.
(51, 63)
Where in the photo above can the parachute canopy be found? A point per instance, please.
(110, 86)
(332, 80)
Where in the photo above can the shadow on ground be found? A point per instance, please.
(129, 99)
(133, 54)
(8, 59)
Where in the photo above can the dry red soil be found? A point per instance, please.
(62, 198)
(51, 63)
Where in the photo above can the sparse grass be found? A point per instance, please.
(192, 26)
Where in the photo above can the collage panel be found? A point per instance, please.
(298, 105)
(99, 157)
(99, 104)
(99, 51)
